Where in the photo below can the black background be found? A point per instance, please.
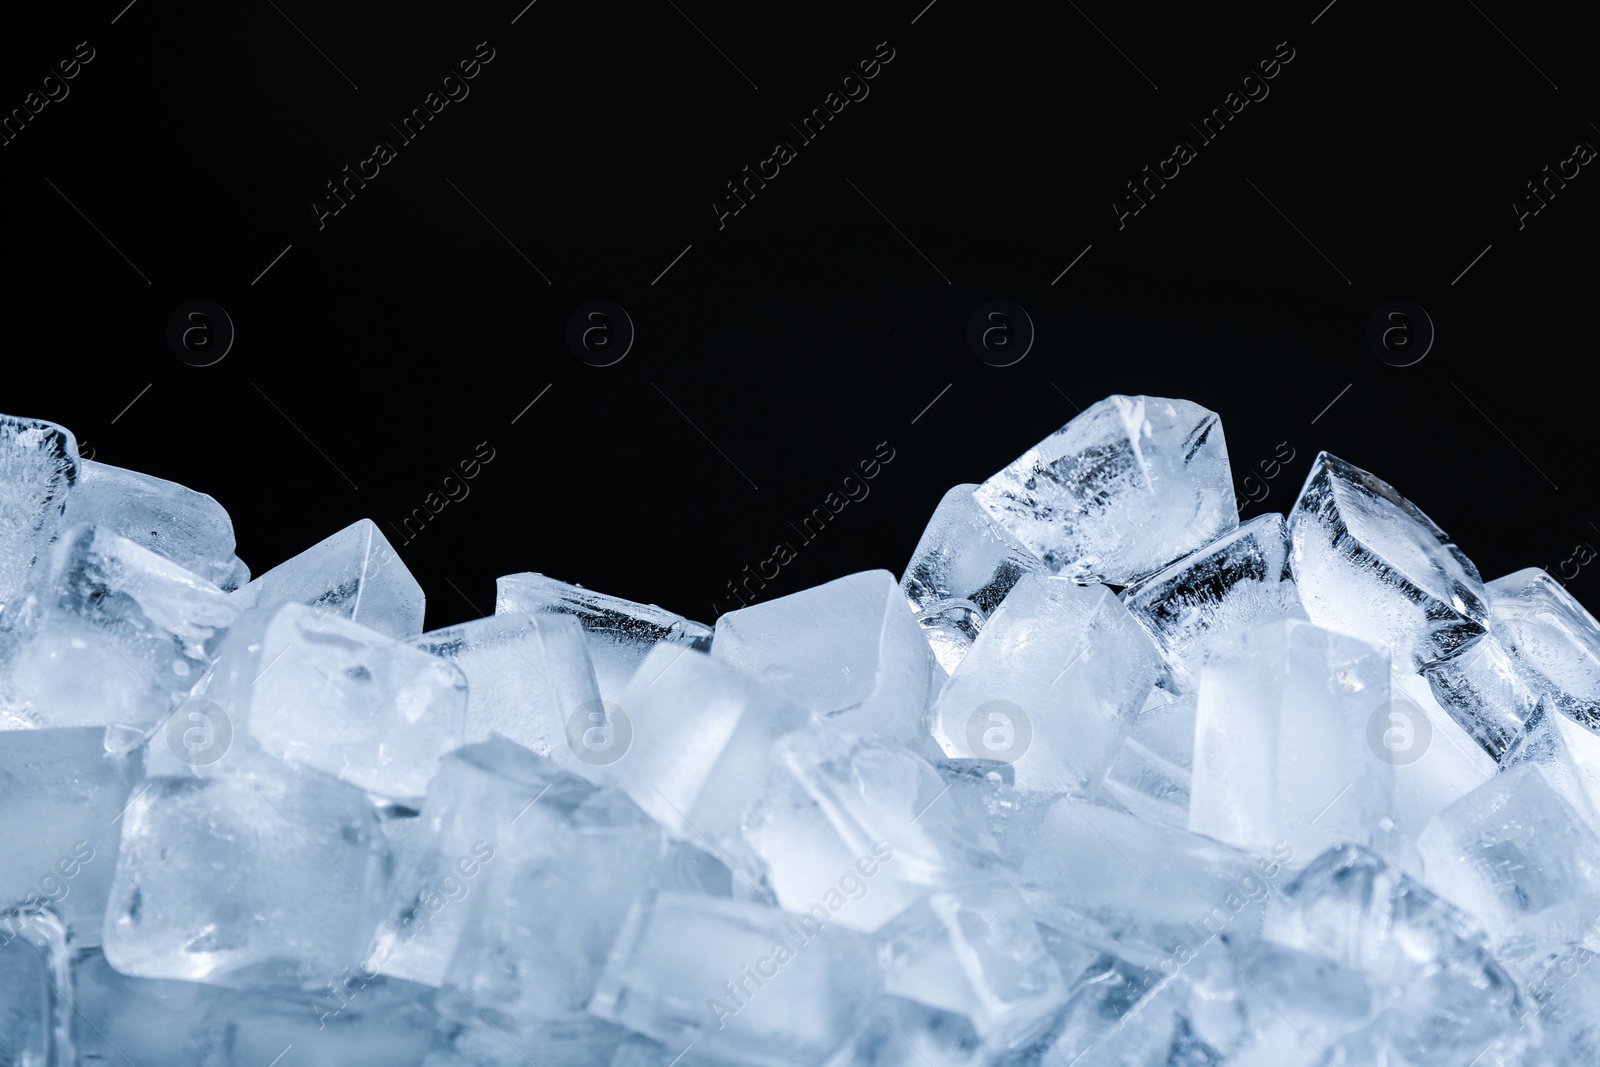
(779, 350)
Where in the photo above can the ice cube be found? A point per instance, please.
(1236, 581)
(1435, 762)
(1369, 563)
(1484, 692)
(171, 520)
(1284, 733)
(688, 742)
(318, 690)
(355, 574)
(526, 676)
(1049, 686)
(35, 989)
(960, 571)
(861, 829)
(38, 466)
(252, 881)
(847, 651)
(1129, 485)
(620, 632)
(115, 634)
(465, 825)
(1553, 640)
(692, 970)
(61, 796)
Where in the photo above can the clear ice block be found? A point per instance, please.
(252, 881)
(169, 519)
(61, 796)
(1284, 739)
(692, 970)
(620, 632)
(962, 568)
(1049, 686)
(847, 651)
(1129, 485)
(526, 676)
(1369, 563)
(318, 690)
(38, 466)
(355, 574)
(1238, 580)
(113, 634)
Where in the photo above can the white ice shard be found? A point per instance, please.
(1369, 563)
(1129, 485)
(1050, 685)
(962, 568)
(38, 466)
(620, 632)
(355, 574)
(847, 651)
(169, 519)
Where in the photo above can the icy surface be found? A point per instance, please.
(1106, 779)
(1125, 488)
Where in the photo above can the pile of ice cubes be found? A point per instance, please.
(1107, 778)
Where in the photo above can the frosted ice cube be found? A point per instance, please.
(526, 675)
(38, 466)
(620, 632)
(320, 691)
(700, 732)
(1129, 485)
(35, 990)
(1283, 739)
(464, 826)
(847, 651)
(691, 970)
(552, 904)
(1236, 581)
(355, 574)
(962, 568)
(1153, 895)
(1369, 563)
(61, 795)
(171, 520)
(116, 634)
(252, 881)
(1510, 851)
(1049, 686)
(862, 827)
(978, 956)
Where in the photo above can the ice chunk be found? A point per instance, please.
(352, 1020)
(1238, 580)
(847, 651)
(320, 691)
(1129, 485)
(1435, 762)
(1049, 686)
(863, 827)
(171, 520)
(465, 824)
(960, 571)
(619, 631)
(355, 574)
(35, 990)
(526, 676)
(688, 742)
(1553, 639)
(1284, 739)
(691, 970)
(553, 902)
(1152, 895)
(1369, 563)
(1483, 691)
(1568, 754)
(1510, 852)
(61, 795)
(38, 466)
(116, 634)
(975, 955)
(261, 880)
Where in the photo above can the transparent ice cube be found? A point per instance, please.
(355, 574)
